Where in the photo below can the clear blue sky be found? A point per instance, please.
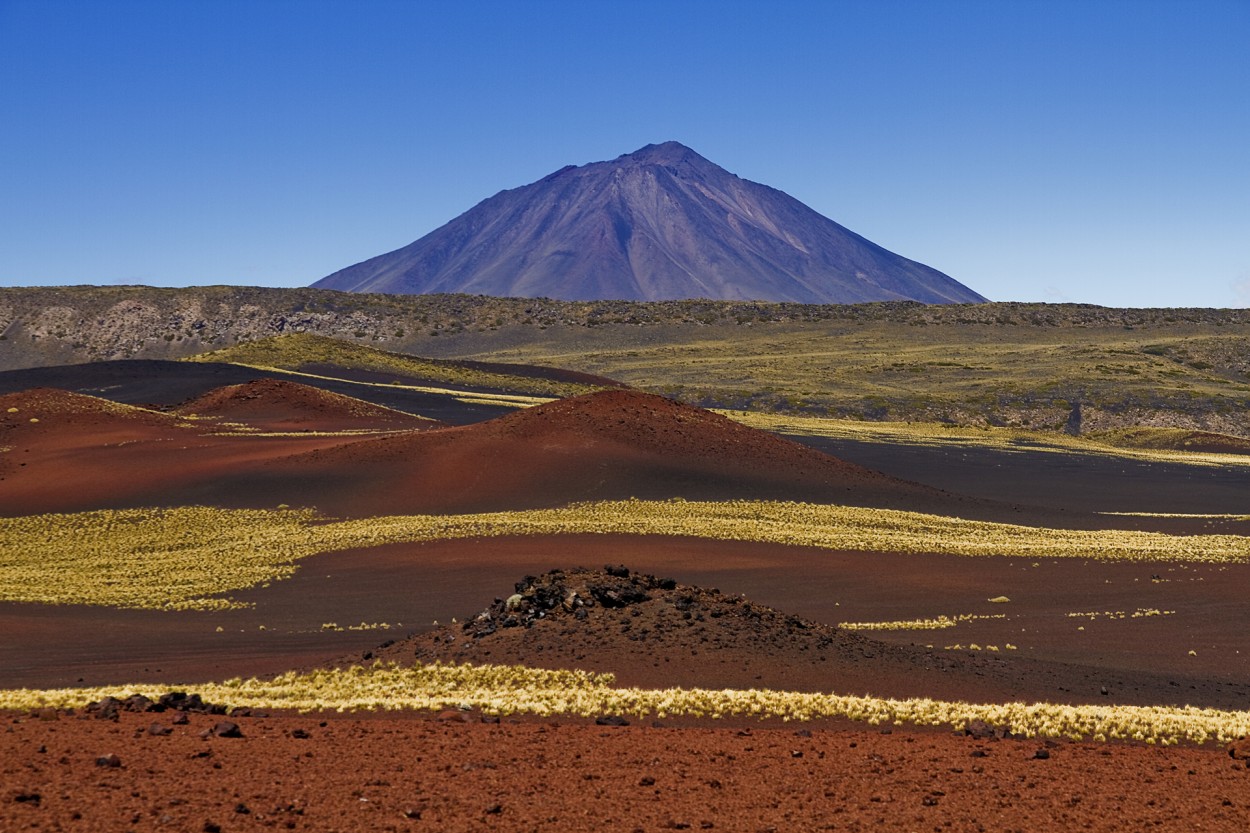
(1093, 151)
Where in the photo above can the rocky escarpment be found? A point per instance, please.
(42, 326)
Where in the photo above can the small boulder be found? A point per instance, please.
(225, 729)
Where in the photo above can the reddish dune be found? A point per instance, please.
(279, 405)
(608, 445)
(87, 453)
(66, 452)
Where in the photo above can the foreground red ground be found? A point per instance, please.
(419, 773)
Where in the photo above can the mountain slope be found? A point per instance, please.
(661, 223)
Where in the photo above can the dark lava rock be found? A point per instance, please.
(225, 729)
(611, 720)
(140, 703)
(1240, 749)
(106, 709)
(156, 730)
(110, 761)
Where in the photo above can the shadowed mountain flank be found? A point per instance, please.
(661, 223)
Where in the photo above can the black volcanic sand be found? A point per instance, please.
(1139, 660)
(1069, 482)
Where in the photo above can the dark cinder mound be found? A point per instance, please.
(276, 404)
(656, 632)
(658, 224)
(610, 445)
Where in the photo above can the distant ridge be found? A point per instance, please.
(662, 223)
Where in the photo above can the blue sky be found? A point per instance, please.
(1093, 151)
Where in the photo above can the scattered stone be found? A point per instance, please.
(611, 720)
(411, 813)
(494, 809)
(110, 761)
(156, 730)
(140, 703)
(242, 809)
(1041, 754)
(28, 797)
(224, 729)
(300, 734)
(47, 714)
(211, 827)
(183, 702)
(108, 708)
(453, 716)
(646, 781)
(181, 719)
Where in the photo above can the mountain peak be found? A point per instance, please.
(665, 153)
(621, 230)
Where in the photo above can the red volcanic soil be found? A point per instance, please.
(456, 773)
(609, 445)
(89, 453)
(278, 405)
(66, 452)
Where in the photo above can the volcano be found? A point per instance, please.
(662, 223)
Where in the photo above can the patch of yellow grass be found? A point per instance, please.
(179, 558)
(939, 623)
(508, 690)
